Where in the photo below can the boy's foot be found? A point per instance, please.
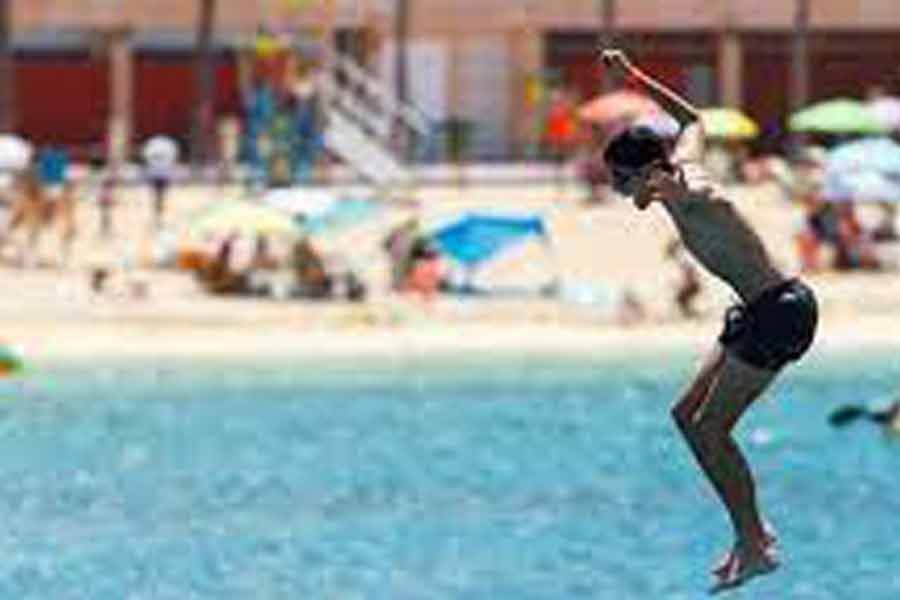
(725, 563)
(741, 564)
(768, 546)
(742, 570)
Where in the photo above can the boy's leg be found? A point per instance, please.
(706, 414)
(737, 386)
(685, 410)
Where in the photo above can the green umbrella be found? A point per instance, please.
(842, 115)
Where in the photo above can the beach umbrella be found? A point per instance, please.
(728, 123)
(880, 155)
(887, 110)
(476, 238)
(300, 202)
(244, 219)
(15, 153)
(320, 210)
(339, 216)
(842, 115)
(616, 106)
(866, 186)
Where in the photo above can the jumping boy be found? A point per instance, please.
(773, 325)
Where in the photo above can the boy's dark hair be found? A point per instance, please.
(635, 147)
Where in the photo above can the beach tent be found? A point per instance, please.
(474, 238)
(475, 243)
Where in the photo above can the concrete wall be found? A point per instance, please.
(461, 15)
(450, 35)
(232, 14)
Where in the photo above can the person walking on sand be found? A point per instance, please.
(773, 325)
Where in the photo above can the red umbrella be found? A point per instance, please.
(617, 106)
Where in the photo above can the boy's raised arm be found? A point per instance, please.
(691, 141)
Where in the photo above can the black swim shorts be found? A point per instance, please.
(774, 329)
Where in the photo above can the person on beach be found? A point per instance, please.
(773, 325)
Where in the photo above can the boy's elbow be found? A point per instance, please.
(691, 117)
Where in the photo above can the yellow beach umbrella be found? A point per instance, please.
(244, 219)
(728, 123)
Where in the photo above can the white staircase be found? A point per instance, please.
(363, 153)
(364, 120)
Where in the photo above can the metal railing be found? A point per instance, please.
(369, 127)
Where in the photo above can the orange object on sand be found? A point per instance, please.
(425, 277)
(560, 126)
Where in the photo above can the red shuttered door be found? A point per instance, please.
(163, 95)
(62, 98)
(164, 86)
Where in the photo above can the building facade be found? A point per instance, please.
(77, 62)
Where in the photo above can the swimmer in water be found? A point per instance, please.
(889, 418)
(773, 325)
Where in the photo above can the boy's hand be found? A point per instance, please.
(666, 184)
(613, 57)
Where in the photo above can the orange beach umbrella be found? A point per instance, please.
(616, 106)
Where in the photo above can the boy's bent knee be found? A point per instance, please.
(683, 418)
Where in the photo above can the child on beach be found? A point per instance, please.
(772, 326)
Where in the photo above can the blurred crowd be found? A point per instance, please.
(281, 133)
(849, 204)
(847, 200)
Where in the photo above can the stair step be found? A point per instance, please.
(362, 152)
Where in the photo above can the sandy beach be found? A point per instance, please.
(50, 314)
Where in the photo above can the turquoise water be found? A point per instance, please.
(511, 478)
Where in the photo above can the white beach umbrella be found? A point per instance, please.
(887, 110)
(865, 186)
(308, 202)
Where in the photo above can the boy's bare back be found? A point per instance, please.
(715, 232)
